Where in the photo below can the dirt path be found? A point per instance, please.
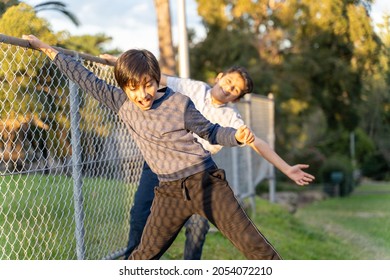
(369, 249)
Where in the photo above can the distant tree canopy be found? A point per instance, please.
(319, 58)
(44, 6)
(31, 89)
(328, 68)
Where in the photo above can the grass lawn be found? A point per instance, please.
(37, 217)
(351, 228)
(361, 221)
(37, 222)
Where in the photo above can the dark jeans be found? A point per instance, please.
(196, 227)
(208, 194)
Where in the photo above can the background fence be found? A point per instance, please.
(69, 169)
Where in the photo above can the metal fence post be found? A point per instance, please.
(271, 142)
(248, 151)
(76, 171)
(235, 174)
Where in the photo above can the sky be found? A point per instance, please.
(133, 24)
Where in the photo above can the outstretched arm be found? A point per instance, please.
(39, 45)
(294, 172)
(106, 94)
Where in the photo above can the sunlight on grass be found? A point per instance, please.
(350, 228)
(37, 222)
(37, 218)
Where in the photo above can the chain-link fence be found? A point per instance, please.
(68, 167)
(244, 167)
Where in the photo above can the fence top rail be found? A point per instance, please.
(25, 44)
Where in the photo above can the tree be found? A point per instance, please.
(315, 56)
(59, 7)
(22, 114)
(376, 107)
(31, 89)
(49, 5)
(165, 44)
(337, 46)
(5, 4)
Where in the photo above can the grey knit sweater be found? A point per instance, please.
(164, 133)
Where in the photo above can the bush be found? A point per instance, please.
(311, 156)
(281, 186)
(334, 166)
(375, 167)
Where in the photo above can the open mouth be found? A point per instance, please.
(145, 102)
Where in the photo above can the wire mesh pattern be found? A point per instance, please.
(68, 167)
(244, 167)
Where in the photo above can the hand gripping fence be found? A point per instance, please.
(68, 167)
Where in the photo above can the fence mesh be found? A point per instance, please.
(68, 167)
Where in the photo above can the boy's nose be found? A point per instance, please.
(142, 93)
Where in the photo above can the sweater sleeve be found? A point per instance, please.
(214, 133)
(106, 94)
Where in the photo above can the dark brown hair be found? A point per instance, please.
(132, 67)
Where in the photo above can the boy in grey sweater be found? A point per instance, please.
(162, 124)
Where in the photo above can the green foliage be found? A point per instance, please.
(334, 167)
(339, 142)
(375, 166)
(18, 65)
(21, 19)
(311, 156)
(376, 99)
(90, 44)
(5, 4)
(321, 59)
(364, 145)
(32, 87)
(213, 12)
(320, 38)
(210, 57)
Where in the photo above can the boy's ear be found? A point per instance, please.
(219, 76)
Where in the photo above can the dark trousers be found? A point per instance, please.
(207, 194)
(196, 227)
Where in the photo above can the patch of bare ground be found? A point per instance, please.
(294, 200)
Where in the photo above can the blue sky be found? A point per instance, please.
(132, 23)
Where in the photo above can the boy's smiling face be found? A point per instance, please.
(144, 94)
(227, 88)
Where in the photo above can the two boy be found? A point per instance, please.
(212, 102)
(162, 124)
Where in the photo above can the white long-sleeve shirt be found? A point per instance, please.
(200, 93)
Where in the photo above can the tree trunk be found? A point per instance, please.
(165, 44)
